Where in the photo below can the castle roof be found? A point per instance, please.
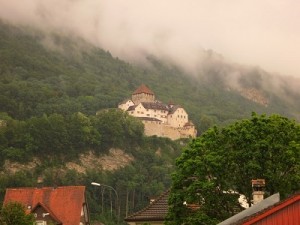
(150, 105)
(125, 101)
(132, 107)
(188, 124)
(143, 89)
(155, 105)
(174, 108)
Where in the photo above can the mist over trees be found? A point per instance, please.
(49, 98)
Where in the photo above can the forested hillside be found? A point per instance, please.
(51, 87)
(54, 74)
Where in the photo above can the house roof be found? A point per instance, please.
(65, 203)
(236, 219)
(143, 89)
(273, 209)
(52, 214)
(156, 211)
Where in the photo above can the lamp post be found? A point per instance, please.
(104, 185)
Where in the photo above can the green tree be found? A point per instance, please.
(118, 128)
(14, 213)
(218, 166)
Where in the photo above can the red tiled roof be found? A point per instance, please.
(156, 211)
(64, 202)
(143, 89)
(52, 214)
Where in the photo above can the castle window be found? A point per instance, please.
(148, 114)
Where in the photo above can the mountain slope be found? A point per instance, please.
(54, 74)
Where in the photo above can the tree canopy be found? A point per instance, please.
(218, 166)
(14, 213)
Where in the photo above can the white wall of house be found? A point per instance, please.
(139, 111)
(157, 114)
(179, 118)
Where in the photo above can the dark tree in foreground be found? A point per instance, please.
(218, 166)
(13, 213)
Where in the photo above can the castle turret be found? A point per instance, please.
(142, 94)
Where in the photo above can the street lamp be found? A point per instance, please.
(104, 185)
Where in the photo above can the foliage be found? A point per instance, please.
(49, 98)
(14, 213)
(218, 166)
(56, 135)
(118, 128)
(74, 76)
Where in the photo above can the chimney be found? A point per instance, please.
(258, 187)
(40, 181)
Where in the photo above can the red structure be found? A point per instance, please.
(269, 211)
(61, 205)
(286, 212)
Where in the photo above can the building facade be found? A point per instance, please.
(163, 120)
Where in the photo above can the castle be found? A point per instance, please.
(158, 118)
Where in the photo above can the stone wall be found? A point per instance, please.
(163, 130)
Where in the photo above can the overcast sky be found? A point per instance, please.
(263, 33)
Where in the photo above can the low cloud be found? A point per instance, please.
(261, 33)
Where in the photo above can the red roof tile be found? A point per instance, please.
(143, 89)
(52, 214)
(64, 202)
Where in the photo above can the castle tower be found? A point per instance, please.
(142, 94)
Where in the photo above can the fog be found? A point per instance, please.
(249, 32)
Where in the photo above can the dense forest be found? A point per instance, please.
(51, 87)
